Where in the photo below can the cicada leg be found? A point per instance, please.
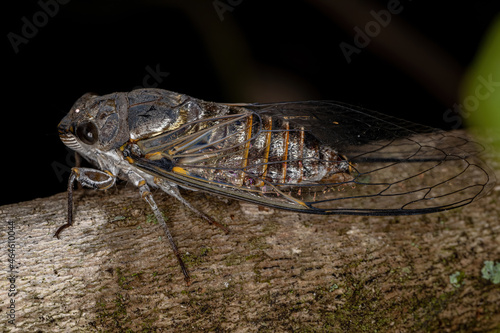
(148, 197)
(174, 191)
(78, 162)
(138, 181)
(92, 178)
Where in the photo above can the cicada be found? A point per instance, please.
(318, 157)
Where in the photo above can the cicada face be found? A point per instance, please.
(95, 124)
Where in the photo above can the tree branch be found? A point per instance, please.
(277, 270)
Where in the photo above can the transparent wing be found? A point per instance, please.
(381, 165)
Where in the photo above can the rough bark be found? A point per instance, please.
(113, 271)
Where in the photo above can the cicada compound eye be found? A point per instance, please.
(87, 133)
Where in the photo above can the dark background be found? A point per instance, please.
(259, 51)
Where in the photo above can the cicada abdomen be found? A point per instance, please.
(251, 151)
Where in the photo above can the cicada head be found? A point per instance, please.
(95, 123)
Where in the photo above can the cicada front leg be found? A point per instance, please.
(92, 178)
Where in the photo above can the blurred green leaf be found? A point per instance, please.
(480, 96)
